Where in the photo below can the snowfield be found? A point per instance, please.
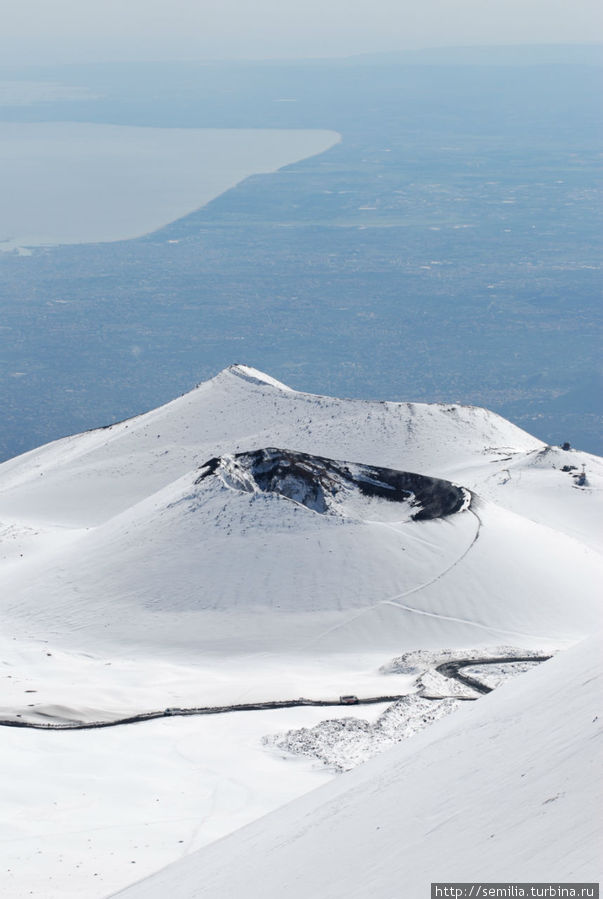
(507, 789)
(246, 544)
(116, 536)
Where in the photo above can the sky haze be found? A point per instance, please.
(35, 31)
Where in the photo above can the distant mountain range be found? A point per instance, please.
(504, 55)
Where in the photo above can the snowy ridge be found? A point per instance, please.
(83, 480)
(231, 413)
(254, 376)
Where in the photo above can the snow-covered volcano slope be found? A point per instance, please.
(83, 480)
(188, 528)
(249, 543)
(217, 562)
(508, 789)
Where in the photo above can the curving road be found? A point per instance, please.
(448, 669)
(202, 710)
(453, 669)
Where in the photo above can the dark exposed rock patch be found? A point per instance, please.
(316, 482)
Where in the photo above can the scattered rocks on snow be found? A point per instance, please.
(343, 743)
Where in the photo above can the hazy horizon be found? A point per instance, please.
(37, 33)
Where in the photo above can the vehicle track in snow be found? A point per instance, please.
(392, 600)
(442, 574)
(492, 629)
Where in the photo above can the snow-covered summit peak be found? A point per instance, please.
(331, 486)
(90, 477)
(253, 376)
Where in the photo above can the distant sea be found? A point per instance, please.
(446, 249)
(74, 183)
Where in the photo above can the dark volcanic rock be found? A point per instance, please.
(314, 480)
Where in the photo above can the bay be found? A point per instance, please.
(71, 183)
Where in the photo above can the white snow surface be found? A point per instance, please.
(91, 476)
(127, 585)
(111, 543)
(115, 559)
(507, 790)
(85, 813)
